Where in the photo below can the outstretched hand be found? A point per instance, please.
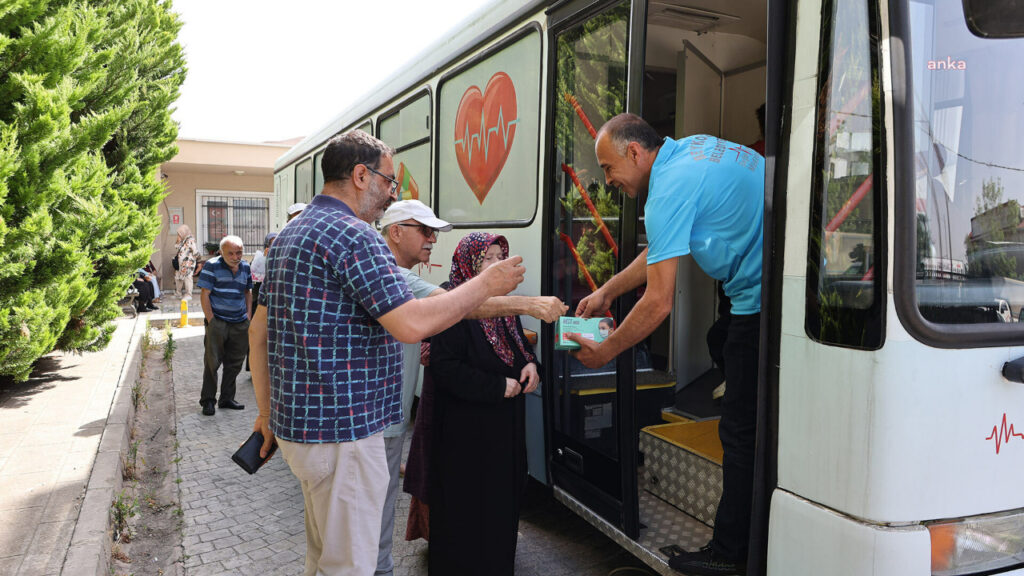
(594, 305)
(548, 308)
(504, 276)
(589, 353)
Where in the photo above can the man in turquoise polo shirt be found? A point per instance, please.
(705, 197)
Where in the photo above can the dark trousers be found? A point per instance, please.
(226, 344)
(719, 331)
(738, 430)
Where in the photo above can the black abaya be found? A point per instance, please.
(478, 455)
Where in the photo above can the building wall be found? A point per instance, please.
(182, 187)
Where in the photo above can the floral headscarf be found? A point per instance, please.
(466, 262)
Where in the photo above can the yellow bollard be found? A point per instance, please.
(184, 314)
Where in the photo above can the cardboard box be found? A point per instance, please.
(588, 328)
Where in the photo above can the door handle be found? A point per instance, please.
(1014, 370)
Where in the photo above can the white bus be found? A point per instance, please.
(891, 402)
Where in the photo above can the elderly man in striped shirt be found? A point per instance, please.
(226, 282)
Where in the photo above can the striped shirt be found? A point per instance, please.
(227, 289)
(335, 372)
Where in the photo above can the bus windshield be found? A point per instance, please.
(968, 113)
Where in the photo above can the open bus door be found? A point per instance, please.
(596, 55)
(633, 446)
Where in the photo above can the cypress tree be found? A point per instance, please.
(85, 93)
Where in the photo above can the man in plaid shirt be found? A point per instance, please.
(326, 354)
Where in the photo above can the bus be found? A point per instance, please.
(890, 401)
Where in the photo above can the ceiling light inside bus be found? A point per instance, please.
(676, 15)
(977, 544)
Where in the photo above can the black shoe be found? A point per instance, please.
(208, 409)
(704, 562)
(230, 404)
(151, 307)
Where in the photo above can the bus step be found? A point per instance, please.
(673, 415)
(683, 466)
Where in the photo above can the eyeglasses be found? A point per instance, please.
(427, 231)
(394, 183)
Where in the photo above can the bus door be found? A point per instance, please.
(596, 49)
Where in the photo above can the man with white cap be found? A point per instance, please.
(294, 210)
(410, 229)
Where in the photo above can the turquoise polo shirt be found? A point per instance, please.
(706, 198)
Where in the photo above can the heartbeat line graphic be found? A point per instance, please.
(1002, 434)
(485, 135)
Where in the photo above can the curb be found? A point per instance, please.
(89, 553)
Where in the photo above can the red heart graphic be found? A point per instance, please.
(485, 126)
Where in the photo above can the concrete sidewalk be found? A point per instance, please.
(50, 432)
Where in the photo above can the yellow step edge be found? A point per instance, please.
(671, 417)
(591, 391)
(700, 438)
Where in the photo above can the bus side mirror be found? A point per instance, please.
(1014, 371)
(995, 18)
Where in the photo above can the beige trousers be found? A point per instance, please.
(183, 286)
(344, 485)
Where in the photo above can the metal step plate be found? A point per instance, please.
(664, 526)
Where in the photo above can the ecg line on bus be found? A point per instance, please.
(485, 135)
(1002, 434)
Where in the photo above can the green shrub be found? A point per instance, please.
(85, 94)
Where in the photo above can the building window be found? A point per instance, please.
(245, 214)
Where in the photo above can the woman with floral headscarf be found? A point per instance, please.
(187, 253)
(481, 370)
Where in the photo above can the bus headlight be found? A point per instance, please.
(977, 544)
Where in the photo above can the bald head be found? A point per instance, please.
(626, 128)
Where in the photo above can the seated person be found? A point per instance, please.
(150, 269)
(143, 283)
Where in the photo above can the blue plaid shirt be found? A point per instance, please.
(335, 372)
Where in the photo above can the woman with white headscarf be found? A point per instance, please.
(187, 255)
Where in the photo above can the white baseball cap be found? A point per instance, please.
(414, 210)
(296, 208)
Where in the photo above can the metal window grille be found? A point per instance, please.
(247, 218)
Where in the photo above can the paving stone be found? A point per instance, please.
(214, 535)
(228, 542)
(217, 555)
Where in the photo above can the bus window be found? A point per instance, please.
(304, 181)
(318, 173)
(968, 124)
(407, 130)
(488, 136)
(284, 195)
(845, 267)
